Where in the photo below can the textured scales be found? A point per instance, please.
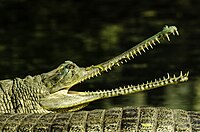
(127, 119)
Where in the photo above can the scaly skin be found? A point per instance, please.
(127, 119)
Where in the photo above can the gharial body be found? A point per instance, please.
(44, 102)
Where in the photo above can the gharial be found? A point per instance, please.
(42, 102)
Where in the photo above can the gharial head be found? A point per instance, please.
(60, 80)
(64, 76)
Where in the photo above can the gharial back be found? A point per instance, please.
(128, 119)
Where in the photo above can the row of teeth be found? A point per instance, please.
(147, 44)
(145, 86)
(143, 48)
(131, 54)
(96, 73)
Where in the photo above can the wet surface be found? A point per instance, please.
(36, 37)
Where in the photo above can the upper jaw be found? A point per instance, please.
(81, 74)
(95, 70)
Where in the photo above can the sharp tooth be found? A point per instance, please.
(146, 46)
(153, 42)
(143, 49)
(150, 85)
(177, 32)
(131, 55)
(92, 75)
(181, 73)
(174, 76)
(134, 88)
(106, 70)
(135, 52)
(125, 60)
(157, 40)
(110, 66)
(187, 73)
(164, 78)
(168, 76)
(151, 46)
(173, 33)
(139, 51)
(126, 91)
(118, 64)
(128, 57)
(167, 37)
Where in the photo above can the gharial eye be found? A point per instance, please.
(70, 66)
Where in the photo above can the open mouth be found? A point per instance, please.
(73, 100)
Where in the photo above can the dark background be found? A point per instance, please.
(36, 36)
